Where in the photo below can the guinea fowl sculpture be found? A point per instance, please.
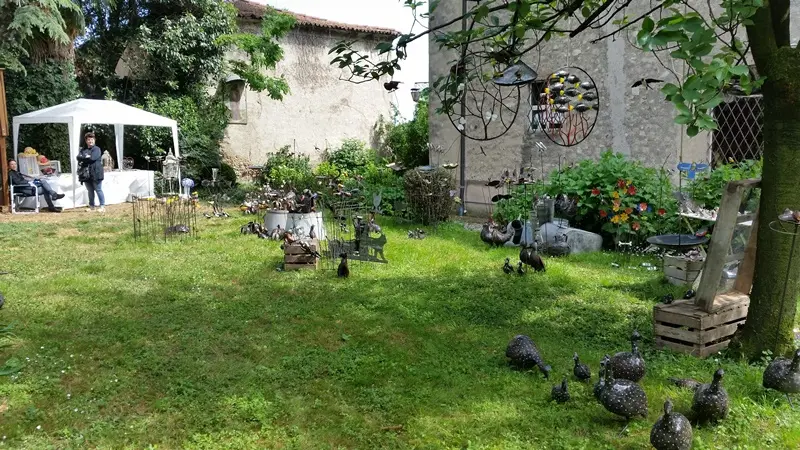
(529, 256)
(687, 383)
(581, 371)
(672, 431)
(710, 402)
(629, 365)
(507, 268)
(783, 375)
(560, 393)
(343, 271)
(520, 270)
(601, 381)
(522, 353)
(623, 397)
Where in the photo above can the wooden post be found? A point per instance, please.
(4, 202)
(721, 242)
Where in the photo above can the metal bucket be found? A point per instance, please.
(273, 218)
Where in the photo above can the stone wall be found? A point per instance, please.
(636, 122)
(321, 109)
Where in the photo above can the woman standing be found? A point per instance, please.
(90, 171)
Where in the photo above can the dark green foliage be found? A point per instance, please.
(707, 190)
(428, 195)
(408, 141)
(288, 169)
(264, 53)
(46, 84)
(358, 167)
(201, 126)
(519, 205)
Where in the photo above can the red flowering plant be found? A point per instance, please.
(625, 210)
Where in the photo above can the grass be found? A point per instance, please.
(205, 345)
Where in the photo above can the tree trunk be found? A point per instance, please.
(771, 317)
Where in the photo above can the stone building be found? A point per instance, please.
(321, 109)
(637, 122)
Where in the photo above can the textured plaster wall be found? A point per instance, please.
(320, 108)
(636, 122)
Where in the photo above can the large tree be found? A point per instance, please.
(716, 49)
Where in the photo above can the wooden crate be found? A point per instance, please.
(687, 328)
(296, 258)
(680, 271)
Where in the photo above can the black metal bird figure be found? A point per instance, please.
(560, 393)
(391, 86)
(646, 82)
(311, 233)
(629, 365)
(672, 431)
(581, 371)
(522, 353)
(783, 375)
(528, 256)
(710, 402)
(507, 268)
(520, 270)
(309, 250)
(623, 397)
(343, 271)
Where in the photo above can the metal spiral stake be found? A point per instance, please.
(788, 218)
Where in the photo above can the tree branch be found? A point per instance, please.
(597, 12)
(779, 10)
(636, 20)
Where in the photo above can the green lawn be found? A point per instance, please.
(204, 344)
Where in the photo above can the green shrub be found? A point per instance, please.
(707, 189)
(351, 157)
(408, 141)
(519, 204)
(288, 169)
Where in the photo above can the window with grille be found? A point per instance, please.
(534, 102)
(739, 130)
(236, 100)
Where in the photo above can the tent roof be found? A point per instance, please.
(95, 112)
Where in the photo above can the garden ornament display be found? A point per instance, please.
(581, 371)
(520, 270)
(783, 375)
(629, 365)
(522, 353)
(710, 401)
(597, 390)
(623, 397)
(568, 106)
(672, 431)
(560, 393)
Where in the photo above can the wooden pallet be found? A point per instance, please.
(296, 258)
(685, 327)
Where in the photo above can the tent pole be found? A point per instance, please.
(5, 204)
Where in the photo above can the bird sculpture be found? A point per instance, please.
(667, 299)
(629, 365)
(263, 235)
(646, 82)
(710, 402)
(783, 375)
(686, 383)
(311, 233)
(206, 215)
(277, 233)
(560, 393)
(581, 371)
(623, 397)
(288, 238)
(507, 268)
(529, 256)
(522, 353)
(689, 294)
(601, 381)
(391, 86)
(343, 271)
(520, 270)
(309, 250)
(672, 431)
(486, 233)
(500, 237)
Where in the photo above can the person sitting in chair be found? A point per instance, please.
(19, 180)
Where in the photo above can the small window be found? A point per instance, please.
(236, 99)
(556, 119)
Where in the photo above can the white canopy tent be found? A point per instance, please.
(84, 111)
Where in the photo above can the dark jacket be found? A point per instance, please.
(91, 158)
(17, 179)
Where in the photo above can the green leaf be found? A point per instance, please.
(692, 130)
(648, 25)
(670, 89)
(739, 70)
(683, 119)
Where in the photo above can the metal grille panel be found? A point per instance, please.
(739, 136)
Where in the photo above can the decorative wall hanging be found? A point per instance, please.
(568, 106)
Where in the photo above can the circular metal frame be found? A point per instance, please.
(573, 118)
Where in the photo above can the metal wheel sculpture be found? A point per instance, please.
(568, 106)
(492, 98)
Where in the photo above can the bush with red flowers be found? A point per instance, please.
(615, 194)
